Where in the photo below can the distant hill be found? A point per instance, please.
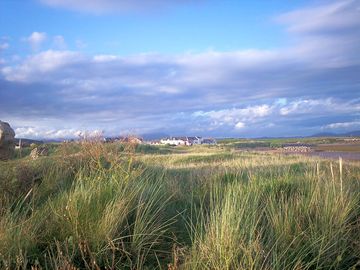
(354, 133)
(154, 136)
(324, 134)
(26, 142)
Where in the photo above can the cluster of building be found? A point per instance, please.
(188, 141)
(174, 141)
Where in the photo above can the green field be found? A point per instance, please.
(113, 206)
(278, 142)
(339, 147)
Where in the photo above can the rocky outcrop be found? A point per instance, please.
(39, 151)
(296, 149)
(7, 141)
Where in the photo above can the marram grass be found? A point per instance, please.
(111, 207)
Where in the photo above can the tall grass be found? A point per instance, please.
(106, 216)
(306, 222)
(110, 206)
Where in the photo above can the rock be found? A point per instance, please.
(298, 149)
(39, 151)
(7, 141)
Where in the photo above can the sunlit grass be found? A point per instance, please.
(96, 206)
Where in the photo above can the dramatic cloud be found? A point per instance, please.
(286, 115)
(111, 6)
(327, 35)
(308, 86)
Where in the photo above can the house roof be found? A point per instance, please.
(208, 140)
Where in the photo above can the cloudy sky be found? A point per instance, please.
(190, 67)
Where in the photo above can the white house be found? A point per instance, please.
(182, 140)
(175, 141)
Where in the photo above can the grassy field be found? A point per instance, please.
(319, 143)
(112, 206)
(339, 147)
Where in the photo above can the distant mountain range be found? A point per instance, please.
(26, 142)
(154, 136)
(354, 133)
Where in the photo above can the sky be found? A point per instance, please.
(183, 67)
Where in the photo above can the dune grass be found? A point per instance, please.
(99, 206)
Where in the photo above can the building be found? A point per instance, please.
(112, 139)
(195, 140)
(154, 142)
(175, 141)
(188, 141)
(208, 141)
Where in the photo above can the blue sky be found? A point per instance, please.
(211, 68)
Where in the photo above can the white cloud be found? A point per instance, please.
(318, 106)
(36, 39)
(105, 58)
(229, 115)
(269, 115)
(327, 35)
(305, 106)
(34, 67)
(239, 125)
(41, 133)
(4, 46)
(331, 17)
(236, 117)
(345, 125)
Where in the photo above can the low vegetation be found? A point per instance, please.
(117, 206)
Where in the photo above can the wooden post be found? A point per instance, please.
(20, 148)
